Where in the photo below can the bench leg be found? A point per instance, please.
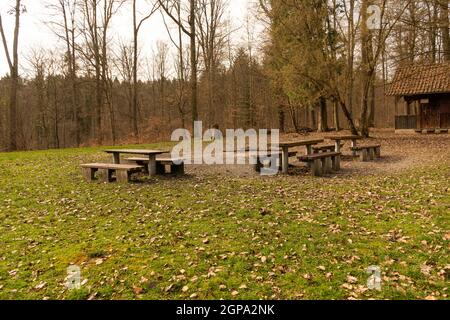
(123, 176)
(258, 165)
(353, 145)
(316, 168)
(152, 165)
(88, 174)
(116, 158)
(371, 154)
(285, 159)
(363, 155)
(326, 165)
(177, 169)
(141, 163)
(336, 163)
(378, 152)
(105, 175)
(337, 146)
(160, 169)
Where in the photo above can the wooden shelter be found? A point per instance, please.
(422, 93)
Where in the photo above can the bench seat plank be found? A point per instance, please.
(105, 171)
(176, 164)
(111, 166)
(373, 146)
(158, 159)
(318, 156)
(329, 148)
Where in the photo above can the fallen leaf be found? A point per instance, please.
(40, 286)
(138, 290)
(351, 279)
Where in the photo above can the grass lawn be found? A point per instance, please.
(209, 237)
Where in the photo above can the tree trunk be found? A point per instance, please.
(349, 117)
(350, 57)
(372, 98)
(366, 74)
(312, 117)
(14, 74)
(135, 76)
(193, 62)
(445, 29)
(322, 123)
(336, 121)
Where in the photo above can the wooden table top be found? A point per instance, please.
(351, 137)
(137, 151)
(300, 143)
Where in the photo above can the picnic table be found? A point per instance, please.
(285, 146)
(338, 139)
(151, 154)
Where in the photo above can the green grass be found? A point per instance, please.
(219, 237)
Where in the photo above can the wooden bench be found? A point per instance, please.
(176, 164)
(367, 153)
(106, 171)
(323, 163)
(326, 148)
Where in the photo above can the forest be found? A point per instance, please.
(318, 65)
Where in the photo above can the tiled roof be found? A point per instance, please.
(421, 79)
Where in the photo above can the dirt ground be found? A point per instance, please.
(399, 152)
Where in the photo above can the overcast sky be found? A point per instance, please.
(34, 32)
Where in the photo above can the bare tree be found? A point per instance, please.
(13, 63)
(169, 6)
(137, 24)
(372, 46)
(97, 19)
(92, 54)
(65, 28)
(124, 65)
(212, 37)
(181, 64)
(161, 65)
